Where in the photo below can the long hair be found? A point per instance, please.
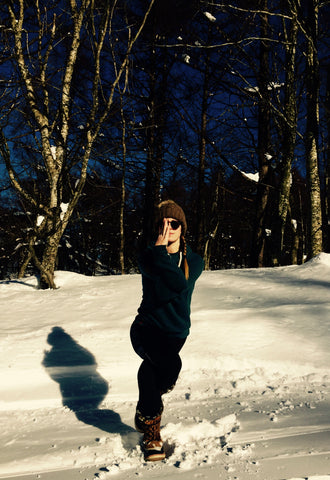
(183, 248)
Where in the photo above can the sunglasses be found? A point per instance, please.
(174, 224)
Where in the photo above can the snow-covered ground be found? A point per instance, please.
(252, 401)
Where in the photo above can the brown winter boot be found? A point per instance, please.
(152, 443)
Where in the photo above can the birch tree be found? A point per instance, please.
(63, 106)
(288, 124)
(314, 225)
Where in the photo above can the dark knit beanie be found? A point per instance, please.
(170, 209)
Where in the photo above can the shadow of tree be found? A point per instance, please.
(18, 282)
(82, 388)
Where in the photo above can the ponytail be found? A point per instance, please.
(185, 261)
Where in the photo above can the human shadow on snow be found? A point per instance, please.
(83, 389)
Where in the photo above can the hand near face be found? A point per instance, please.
(163, 234)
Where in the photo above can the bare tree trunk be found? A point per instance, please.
(153, 168)
(155, 135)
(289, 138)
(47, 265)
(201, 212)
(301, 230)
(327, 170)
(208, 244)
(264, 142)
(314, 236)
(295, 244)
(122, 196)
(28, 255)
(214, 222)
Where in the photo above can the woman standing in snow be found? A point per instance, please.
(169, 271)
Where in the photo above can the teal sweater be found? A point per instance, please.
(166, 292)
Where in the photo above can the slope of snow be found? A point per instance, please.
(252, 401)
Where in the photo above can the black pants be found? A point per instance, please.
(160, 367)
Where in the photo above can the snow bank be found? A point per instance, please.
(255, 375)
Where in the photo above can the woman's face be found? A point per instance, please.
(174, 233)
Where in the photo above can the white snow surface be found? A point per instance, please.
(252, 400)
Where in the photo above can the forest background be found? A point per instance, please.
(107, 107)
